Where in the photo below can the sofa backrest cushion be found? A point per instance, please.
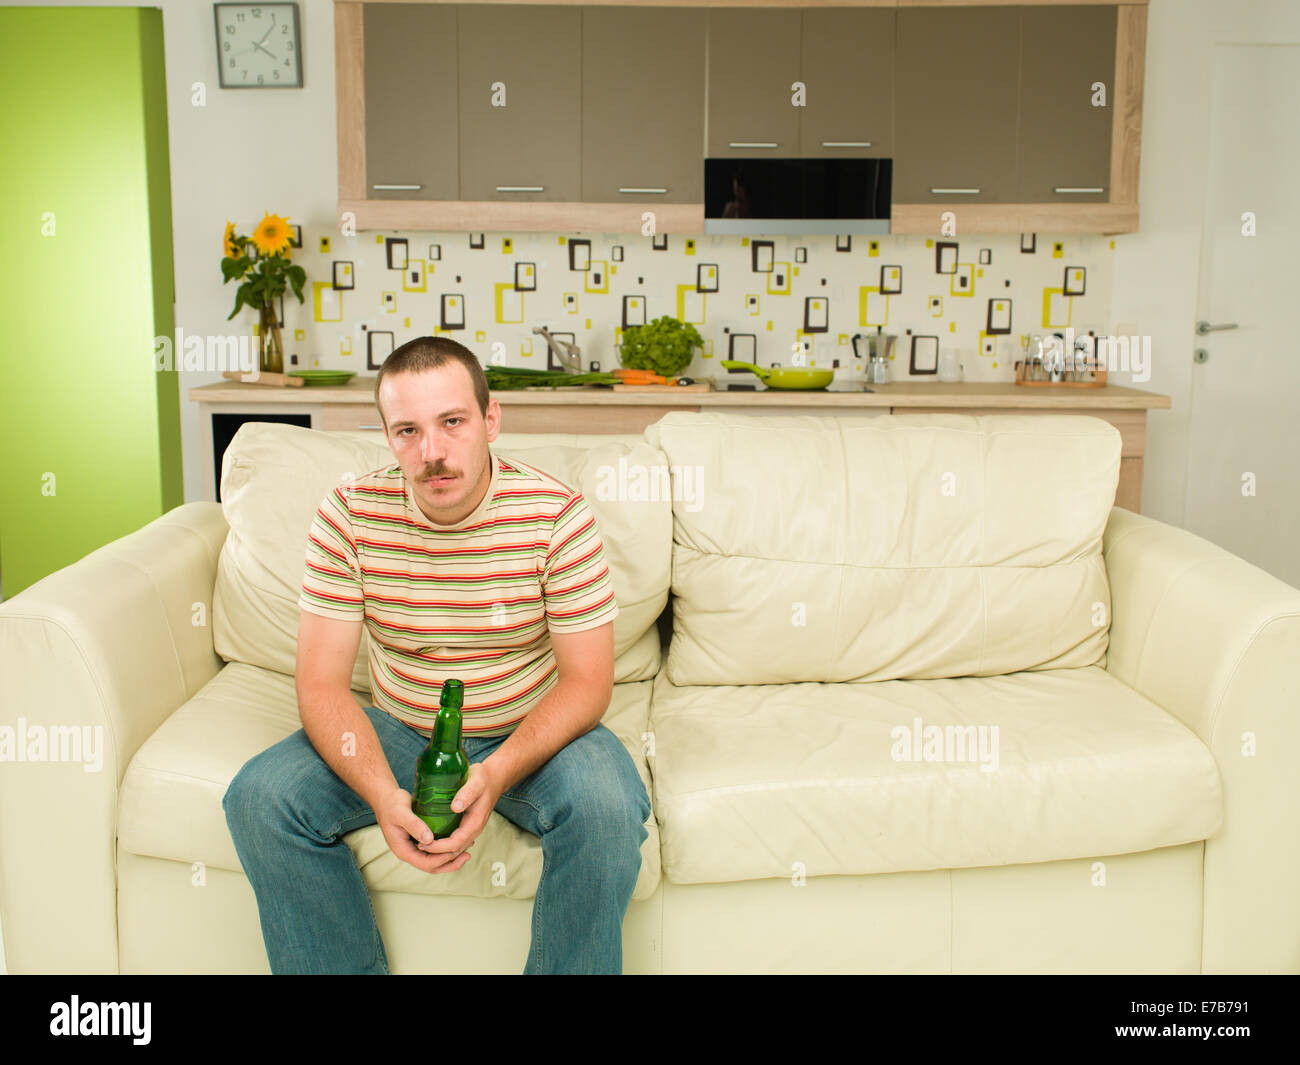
(273, 477)
(817, 548)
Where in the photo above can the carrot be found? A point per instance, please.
(640, 377)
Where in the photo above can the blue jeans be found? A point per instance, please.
(288, 811)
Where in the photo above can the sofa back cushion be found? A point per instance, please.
(273, 478)
(811, 548)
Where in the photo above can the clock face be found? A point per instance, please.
(257, 46)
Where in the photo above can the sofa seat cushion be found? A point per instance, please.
(170, 805)
(774, 780)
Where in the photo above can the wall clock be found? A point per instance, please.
(257, 46)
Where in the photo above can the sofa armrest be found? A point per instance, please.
(1215, 641)
(93, 658)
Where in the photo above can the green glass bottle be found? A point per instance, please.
(443, 767)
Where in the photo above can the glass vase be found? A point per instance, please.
(270, 343)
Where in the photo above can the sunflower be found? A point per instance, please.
(232, 249)
(271, 237)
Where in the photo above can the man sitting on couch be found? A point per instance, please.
(460, 564)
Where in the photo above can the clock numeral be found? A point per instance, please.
(257, 12)
(289, 45)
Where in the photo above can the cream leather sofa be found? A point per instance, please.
(1126, 800)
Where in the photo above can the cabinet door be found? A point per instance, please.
(1064, 139)
(753, 62)
(410, 103)
(643, 104)
(847, 64)
(529, 149)
(955, 103)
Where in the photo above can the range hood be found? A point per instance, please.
(792, 196)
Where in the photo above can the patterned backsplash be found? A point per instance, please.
(754, 299)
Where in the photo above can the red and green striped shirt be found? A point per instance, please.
(476, 600)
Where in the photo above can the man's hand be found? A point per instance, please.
(399, 824)
(475, 801)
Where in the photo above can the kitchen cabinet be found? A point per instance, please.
(843, 57)
(411, 129)
(1064, 135)
(985, 109)
(520, 102)
(753, 63)
(642, 104)
(1073, 167)
(847, 63)
(957, 98)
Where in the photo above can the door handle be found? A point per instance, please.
(1204, 327)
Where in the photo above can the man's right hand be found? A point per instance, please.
(399, 824)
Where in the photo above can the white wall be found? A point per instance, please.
(1155, 271)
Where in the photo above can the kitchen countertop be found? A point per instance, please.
(908, 393)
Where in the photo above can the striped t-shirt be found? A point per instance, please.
(475, 600)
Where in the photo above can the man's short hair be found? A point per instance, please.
(432, 353)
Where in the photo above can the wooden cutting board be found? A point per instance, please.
(275, 380)
(699, 386)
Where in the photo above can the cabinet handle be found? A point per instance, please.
(1073, 188)
(520, 188)
(642, 190)
(752, 144)
(360, 427)
(404, 188)
(846, 144)
(953, 192)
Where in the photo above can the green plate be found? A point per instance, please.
(323, 377)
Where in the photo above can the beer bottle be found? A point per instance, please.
(443, 766)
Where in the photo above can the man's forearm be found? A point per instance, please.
(569, 710)
(344, 737)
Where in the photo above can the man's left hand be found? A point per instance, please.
(475, 801)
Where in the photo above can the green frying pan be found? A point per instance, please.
(793, 377)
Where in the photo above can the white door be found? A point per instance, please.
(1243, 475)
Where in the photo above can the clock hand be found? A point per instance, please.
(261, 49)
(268, 32)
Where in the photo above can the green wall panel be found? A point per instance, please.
(84, 126)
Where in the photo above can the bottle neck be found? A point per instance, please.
(446, 730)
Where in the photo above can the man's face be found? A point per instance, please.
(439, 438)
